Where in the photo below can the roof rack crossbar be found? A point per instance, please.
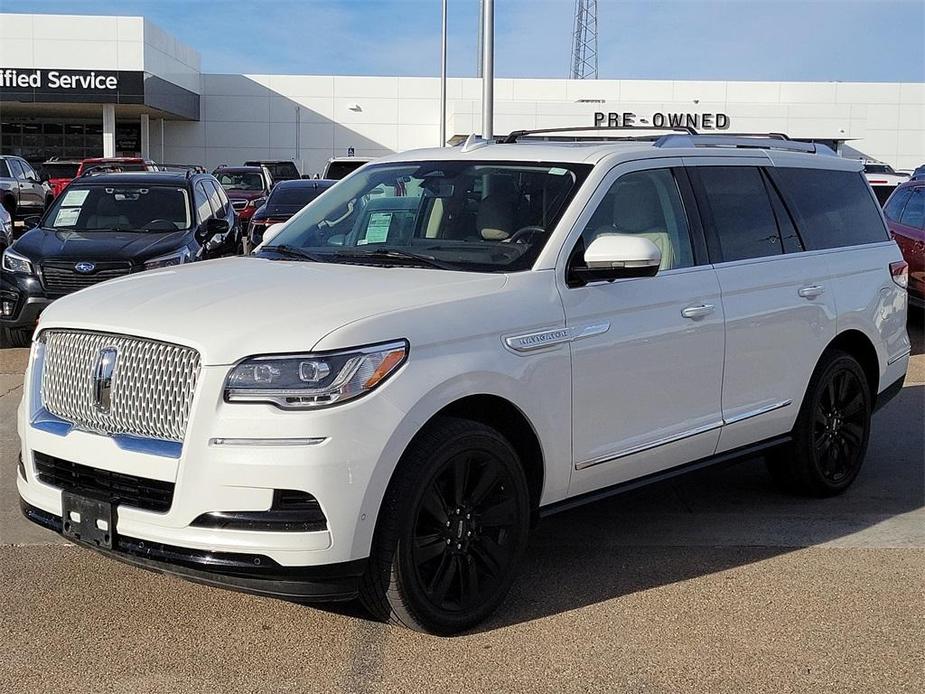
(764, 141)
(516, 134)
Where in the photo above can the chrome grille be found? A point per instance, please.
(152, 386)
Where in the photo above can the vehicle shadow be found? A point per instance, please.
(713, 520)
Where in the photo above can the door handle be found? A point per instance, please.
(811, 292)
(698, 311)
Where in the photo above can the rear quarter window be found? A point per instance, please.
(833, 208)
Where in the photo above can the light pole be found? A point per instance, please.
(443, 78)
(488, 68)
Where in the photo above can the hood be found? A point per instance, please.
(237, 307)
(244, 194)
(40, 244)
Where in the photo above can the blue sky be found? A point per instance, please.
(846, 40)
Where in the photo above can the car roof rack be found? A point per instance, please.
(776, 141)
(517, 134)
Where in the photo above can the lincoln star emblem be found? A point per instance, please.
(102, 379)
(85, 267)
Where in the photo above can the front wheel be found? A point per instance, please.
(832, 430)
(452, 530)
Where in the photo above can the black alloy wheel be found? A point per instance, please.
(831, 432)
(840, 426)
(452, 530)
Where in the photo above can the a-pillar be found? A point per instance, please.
(109, 130)
(145, 137)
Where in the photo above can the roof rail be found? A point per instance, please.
(765, 141)
(516, 134)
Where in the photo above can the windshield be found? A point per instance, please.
(120, 208)
(878, 169)
(60, 170)
(339, 169)
(295, 195)
(479, 216)
(240, 181)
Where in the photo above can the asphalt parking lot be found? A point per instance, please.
(714, 582)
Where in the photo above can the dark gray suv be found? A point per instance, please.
(22, 192)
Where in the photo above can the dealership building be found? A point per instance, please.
(81, 86)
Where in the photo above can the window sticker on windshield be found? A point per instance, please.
(556, 171)
(67, 217)
(74, 198)
(377, 229)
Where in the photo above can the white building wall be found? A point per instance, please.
(254, 116)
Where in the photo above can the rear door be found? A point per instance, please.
(778, 305)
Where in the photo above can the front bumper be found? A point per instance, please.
(249, 573)
(27, 297)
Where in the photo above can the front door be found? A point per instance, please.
(647, 353)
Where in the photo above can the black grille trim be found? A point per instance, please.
(292, 512)
(113, 487)
(60, 277)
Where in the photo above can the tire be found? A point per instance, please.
(15, 337)
(831, 433)
(452, 529)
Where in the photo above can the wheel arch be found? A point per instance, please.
(861, 347)
(510, 421)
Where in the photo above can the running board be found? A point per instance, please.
(645, 480)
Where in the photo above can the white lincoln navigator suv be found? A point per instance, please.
(450, 344)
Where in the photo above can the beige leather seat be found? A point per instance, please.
(635, 209)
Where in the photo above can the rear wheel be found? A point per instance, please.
(452, 530)
(832, 430)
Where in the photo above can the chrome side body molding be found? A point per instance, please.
(529, 342)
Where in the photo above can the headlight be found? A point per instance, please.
(13, 262)
(175, 258)
(307, 381)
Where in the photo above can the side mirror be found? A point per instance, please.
(32, 221)
(619, 256)
(212, 228)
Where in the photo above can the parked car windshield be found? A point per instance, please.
(240, 181)
(107, 207)
(478, 216)
(60, 169)
(295, 195)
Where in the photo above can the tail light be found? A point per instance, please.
(899, 271)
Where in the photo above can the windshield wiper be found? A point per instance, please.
(398, 254)
(293, 252)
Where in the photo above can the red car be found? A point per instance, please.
(905, 216)
(248, 187)
(61, 172)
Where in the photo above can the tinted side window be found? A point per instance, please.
(646, 203)
(894, 207)
(735, 203)
(4, 169)
(215, 200)
(15, 168)
(201, 199)
(833, 208)
(914, 214)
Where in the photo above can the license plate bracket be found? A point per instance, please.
(88, 521)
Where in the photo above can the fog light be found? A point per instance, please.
(7, 308)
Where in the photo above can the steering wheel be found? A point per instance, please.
(160, 224)
(523, 234)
